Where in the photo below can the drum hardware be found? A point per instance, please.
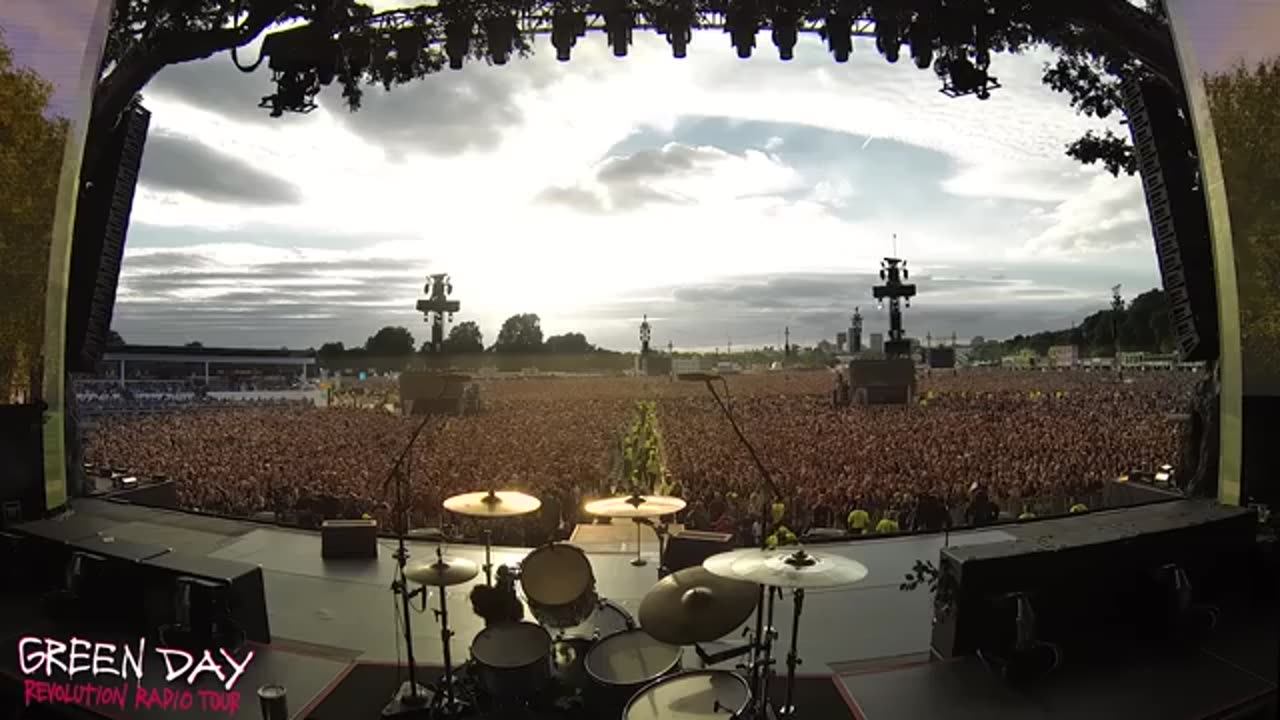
(793, 659)
(441, 574)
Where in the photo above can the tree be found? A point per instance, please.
(569, 343)
(390, 342)
(464, 338)
(194, 345)
(344, 40)
(31, 146)
(520, 334)
(331, 350)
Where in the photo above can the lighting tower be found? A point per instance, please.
(645, 334)
(1117, 307)
(893, 271)
(437, 307)
(855, 331)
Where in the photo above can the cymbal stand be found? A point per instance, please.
(763, 671)
(639, 561)
(488, 556)
(788, 709)
(451, 705)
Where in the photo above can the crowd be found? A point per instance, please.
(98, 398)
(1030, 440)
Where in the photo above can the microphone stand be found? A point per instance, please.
(759, 675)
(411, 699)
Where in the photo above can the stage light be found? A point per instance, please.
(676, 21)
(888, 39)
(567, 25)
(839, 35)
(500, 30)
(619, 22)
(785, 33)
(457, 40)
(921, 35)
(742, 22)
(409, 44)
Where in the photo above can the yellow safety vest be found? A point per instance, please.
(859, 520)
(1079, 508)
(887, 526)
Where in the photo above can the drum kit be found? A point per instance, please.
(598, 653)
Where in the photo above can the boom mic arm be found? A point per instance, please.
(755, 458)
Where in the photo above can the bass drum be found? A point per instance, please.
(622, 664)
(559, 586)
(513, 660)
(697, 695)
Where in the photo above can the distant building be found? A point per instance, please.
(877, 342)
(1064, 356)
(683, 366)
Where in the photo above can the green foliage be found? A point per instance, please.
(1143, 325)
(781, 537)
(520, 334)
(940, 585)
(465, 337)
(31, 147)
(1242, 104)
(388, 347)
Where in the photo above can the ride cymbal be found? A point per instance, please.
(635, 506)
(492, 504)
(786, 568)
(442, 572)
(696, 606)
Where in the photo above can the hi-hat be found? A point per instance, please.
(635, 506)
(492, 504)
(443, 572)
(695, 606)
(786, 568)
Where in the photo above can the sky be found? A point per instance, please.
(726, 199)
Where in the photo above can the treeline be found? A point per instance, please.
(520, 343)
(1142, 325)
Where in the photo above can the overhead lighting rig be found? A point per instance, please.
(921, 38)
(888, 29)
(838, 32)
(501, 30)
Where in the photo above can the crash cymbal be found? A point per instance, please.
(695, 606)
(788, 567)
(492, 504)
(442, 572)
(635, 506)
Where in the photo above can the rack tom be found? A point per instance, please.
(559, 585)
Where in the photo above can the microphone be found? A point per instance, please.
(697, 377)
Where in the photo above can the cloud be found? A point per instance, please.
(1110, 214)
(675, 173)
(179, 164)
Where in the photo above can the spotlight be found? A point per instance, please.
(409, 43)
(921, 37)
(676, 22)
(619, 21)
(888, 39)
(567, 25)
(501, 32)
(839, 35)
(742, 22)
(457, 41)
(785, 33)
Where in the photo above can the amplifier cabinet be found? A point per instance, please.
(347, 539)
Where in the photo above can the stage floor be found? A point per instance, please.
(348, 608)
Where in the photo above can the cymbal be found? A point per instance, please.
(443, 572)
(492, 504)
(636, 506)
(695, 606)
(787, 568)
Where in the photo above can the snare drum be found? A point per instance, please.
(697, 695)
(625, 662)
(559, 585)
(513, 659)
